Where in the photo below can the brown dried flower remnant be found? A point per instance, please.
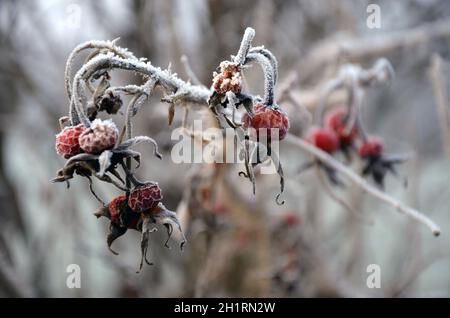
(229, 79)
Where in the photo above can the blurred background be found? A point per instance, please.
(240, 245)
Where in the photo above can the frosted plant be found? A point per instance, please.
(95, 148)
(341, 128)
(262, 115)
(354, 79)
(101, 149)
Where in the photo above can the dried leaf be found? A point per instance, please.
(171, 113)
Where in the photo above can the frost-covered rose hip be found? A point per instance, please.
(323, 138)
(119, 213)
(67, 144)
(101, 135)
(372, 147)
(145, 197)
(268, 118)
(337, 120)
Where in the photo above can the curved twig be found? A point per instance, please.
(107, 45)
(269, 80)
(272, 59)
(168, 81)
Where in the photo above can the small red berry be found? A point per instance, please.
(101, 135)
(67, 144)
(372, 147)
(267, 118)
(229, 78)
(323, 138)
(145, 197)
(336, 120)
(115, 207)
(290, 219)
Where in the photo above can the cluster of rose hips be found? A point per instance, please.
(94, 148)
(125, 211)
(131, 210)
(334, 136)
(78, 139)
(262, 116)
(139, 206)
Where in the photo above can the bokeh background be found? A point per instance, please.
(242, 245)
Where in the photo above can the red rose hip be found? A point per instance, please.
(336, 120)
(267, 118)
(67, 144)
(101, 135)
(116, 206)
(323, 138)
(372, 147)
(145, 197)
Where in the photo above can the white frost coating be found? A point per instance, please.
(104, 161)
(169, 82)
(268, 76)
(144, 92)
(99, 45)
(272, 59)
(245, 46)
(108, 123)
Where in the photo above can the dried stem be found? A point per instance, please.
(245, 46)
(189, 71)
(441, 97)
(326, 186)
(269, 76)
(272, 59)
(356, 49)
(169, 82)
(98, 45)
(135, 104)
